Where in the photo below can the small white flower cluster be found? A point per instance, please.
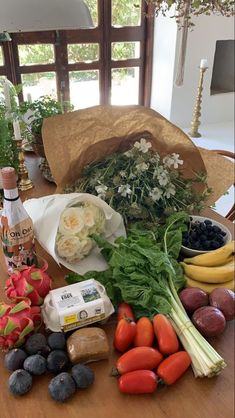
(76, 224)
(163, 186)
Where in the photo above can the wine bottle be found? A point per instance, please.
(16, 227)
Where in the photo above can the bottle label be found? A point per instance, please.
(18, 243)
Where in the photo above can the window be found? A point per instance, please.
(88, 66)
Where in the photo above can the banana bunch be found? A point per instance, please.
(211, 270)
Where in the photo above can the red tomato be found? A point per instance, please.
(124, 334)
(139, 358)
(125, 311)
(144, 333)
(173, 367)
(138, 381)
(166, 337)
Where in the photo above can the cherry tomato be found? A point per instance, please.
(166, 337)
(144, 333)
(139, 358)
(138, 381)
(173, 367)
(125, 311)
(124, 334)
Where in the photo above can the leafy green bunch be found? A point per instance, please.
(34, 113)
(142, 268)
(142, 186)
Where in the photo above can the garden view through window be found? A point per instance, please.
(86, 66)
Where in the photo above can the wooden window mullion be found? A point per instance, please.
(106, 52)
(61, 62)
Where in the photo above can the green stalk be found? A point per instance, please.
(206, 362)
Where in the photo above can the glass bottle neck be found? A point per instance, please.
(11, 194)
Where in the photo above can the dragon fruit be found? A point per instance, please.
(30, 282)
(17, 322)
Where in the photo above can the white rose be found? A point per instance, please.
(71, 221)
(89, 216)
(83, 233)
(86, 246)
(68, 246)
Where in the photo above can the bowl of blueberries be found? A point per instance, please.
(204, 235)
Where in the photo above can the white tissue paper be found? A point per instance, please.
(45, 213)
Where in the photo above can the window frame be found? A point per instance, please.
(103, 34)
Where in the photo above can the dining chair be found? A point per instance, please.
(231, 214)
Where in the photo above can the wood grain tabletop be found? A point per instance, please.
(187, 398)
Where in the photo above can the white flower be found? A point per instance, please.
(172, 159)
(142, 167)
(68, 246)
(83, 233)
(163, 178)
(142, 146)
(89, 216)
(71, 221)
(170, 191)
(155, 159)
(128, 153)
(123, 174)
(101, 190)
(124, 190)
(159, 171)
(86, 246)
(156, 194)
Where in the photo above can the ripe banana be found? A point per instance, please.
(213, 258)
(218, 274)
(208, 287)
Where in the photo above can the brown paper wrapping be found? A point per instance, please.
(77, 138)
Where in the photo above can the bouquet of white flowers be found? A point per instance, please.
(76, 224)
(63, 224)
(141, 185)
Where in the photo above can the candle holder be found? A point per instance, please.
(197, 109)
(24, 182)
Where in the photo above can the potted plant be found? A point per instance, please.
(32, 116)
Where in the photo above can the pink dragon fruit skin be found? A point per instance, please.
(17, 322)
(30, 282)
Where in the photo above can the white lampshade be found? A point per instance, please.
(37, 15)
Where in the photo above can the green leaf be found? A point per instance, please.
(36, 275)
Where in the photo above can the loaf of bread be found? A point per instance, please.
(88, 344)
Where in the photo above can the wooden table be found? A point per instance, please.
(188, 398)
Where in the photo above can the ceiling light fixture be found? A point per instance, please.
(35, 15)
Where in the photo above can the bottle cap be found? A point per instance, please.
(8, 178)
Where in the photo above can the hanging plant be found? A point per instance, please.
(185, 10)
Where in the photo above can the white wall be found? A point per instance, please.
(177, 103)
